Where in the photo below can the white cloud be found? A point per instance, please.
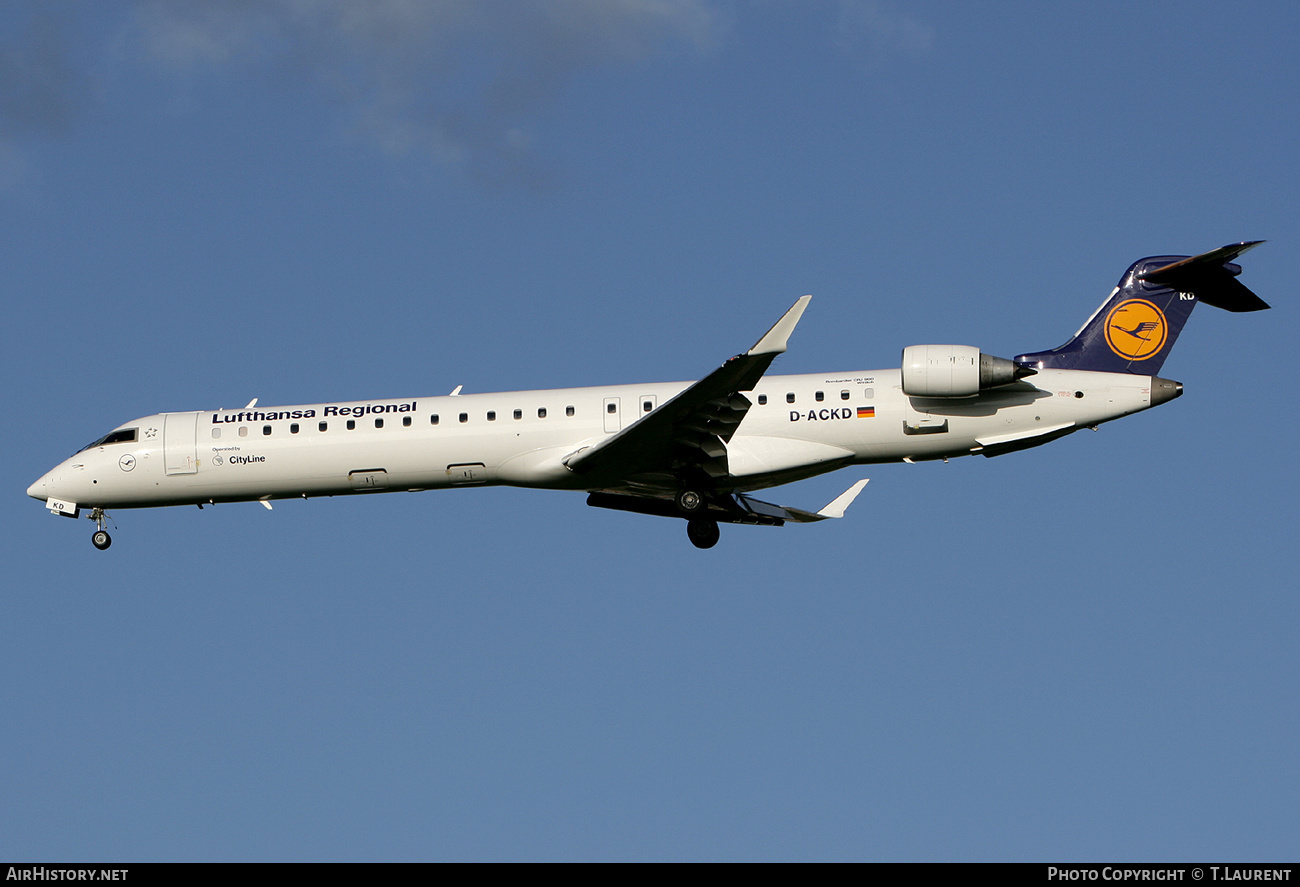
(459, 79)
(41, 89)
(880, 30)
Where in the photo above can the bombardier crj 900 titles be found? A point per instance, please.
(692, 450)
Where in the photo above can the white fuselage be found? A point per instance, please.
(798, 426)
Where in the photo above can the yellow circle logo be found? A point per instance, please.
(1136, 329)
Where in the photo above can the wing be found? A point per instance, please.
(689, 432)
(734, 509)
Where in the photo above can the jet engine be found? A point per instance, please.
(955, 371)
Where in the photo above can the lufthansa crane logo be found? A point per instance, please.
(1136, 329)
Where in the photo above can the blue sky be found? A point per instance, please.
(1084, 651)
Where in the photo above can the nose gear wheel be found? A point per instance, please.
(100, 538)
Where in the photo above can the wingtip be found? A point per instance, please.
(774, 340)
(843, 500)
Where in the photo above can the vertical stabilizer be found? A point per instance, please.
(1135, 329)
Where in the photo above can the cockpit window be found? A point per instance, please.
(122, 435)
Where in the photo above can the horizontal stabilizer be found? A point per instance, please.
(1211, 277)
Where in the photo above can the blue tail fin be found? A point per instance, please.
(1135, 329)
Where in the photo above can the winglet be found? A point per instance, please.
(773, 342)
(843, 500)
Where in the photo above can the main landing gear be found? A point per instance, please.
(702, 532)
(100, 539)
(689, 501)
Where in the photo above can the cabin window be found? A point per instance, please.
(464, 417)
(568, 411)
(612, 408)
(820, 396)
(844, 395)
(216, 433)
(433, 419)
(762, 399)
(647, 406)
(789, 398)
(266, 429)
(243, 431)
(379, 423)
(324, 426)
(541, 412)
(293, 429)
(869, 393)
(492, 415)
(406, 421)
(519, 414)
(352, 424)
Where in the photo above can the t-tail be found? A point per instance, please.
(1135, 329)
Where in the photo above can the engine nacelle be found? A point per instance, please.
(955, 371)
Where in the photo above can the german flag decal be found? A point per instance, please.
(866, 412)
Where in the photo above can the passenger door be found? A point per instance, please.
(180, 443)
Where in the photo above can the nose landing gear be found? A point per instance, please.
(100, 539)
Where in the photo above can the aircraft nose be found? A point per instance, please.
(43, 488)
